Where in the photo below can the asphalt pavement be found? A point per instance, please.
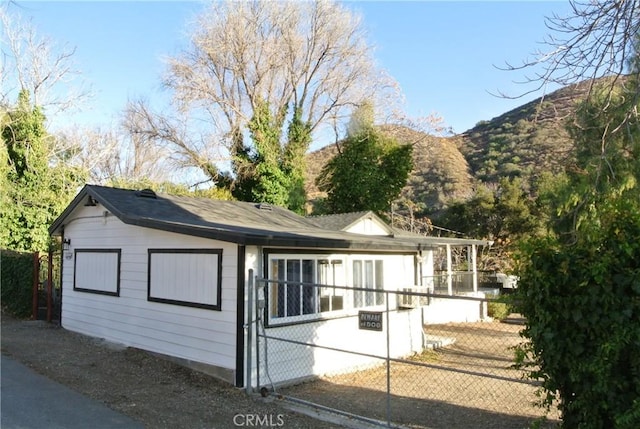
(29, 400)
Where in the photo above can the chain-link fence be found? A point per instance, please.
(405, 357)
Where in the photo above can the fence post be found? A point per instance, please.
(36, 278)
(50, 286)
(388, 363)
(259, 325)
(249, 313)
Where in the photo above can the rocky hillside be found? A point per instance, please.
(522, 142)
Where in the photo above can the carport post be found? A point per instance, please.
(474, 266)
(449, 272)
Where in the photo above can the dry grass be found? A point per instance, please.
(151, 390)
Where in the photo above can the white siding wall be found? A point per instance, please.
(368, 227)
(287, 361)
(200, 335)
(427, 270)
(447, 310)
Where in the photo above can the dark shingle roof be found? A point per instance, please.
(232, 221)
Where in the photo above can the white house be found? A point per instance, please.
(173, 275)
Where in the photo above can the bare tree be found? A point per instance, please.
(311, 59)
(597, 39)
(184, 143)
(36, 64)
(110, 154)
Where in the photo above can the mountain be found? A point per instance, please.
(524, 142)
(440, 171)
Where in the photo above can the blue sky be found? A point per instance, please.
(443, 54)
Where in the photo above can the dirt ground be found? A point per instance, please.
(162, 394)
(151, 390)
(466, 383)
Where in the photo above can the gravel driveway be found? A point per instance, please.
(467, 383)
(162, 394)
(151, 390)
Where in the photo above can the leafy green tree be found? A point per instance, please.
(36, 192)
(294, 162)
(579, 289)
(607, 148)
(515, 212)
(5, 185)
(368, 174)
(268, 182)
(504, 214)
(473, 217)
(259, 73)
(272, 171)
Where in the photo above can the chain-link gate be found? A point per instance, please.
(405, 357)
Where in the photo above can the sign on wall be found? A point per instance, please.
(370, 320)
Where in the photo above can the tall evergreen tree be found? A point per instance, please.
(272, 170)
(607, 166)
(369, 172)
(294, 164)
(269, 183)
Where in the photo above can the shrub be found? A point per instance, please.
(581, 302)
(498, 310)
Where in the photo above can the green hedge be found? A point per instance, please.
(16, 279)
(581, 301)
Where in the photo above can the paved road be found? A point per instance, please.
(32, 401)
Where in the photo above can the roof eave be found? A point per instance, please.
(58, 225)
(275, 238)
(272, 240)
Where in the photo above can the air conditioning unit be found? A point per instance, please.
(409, 300)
